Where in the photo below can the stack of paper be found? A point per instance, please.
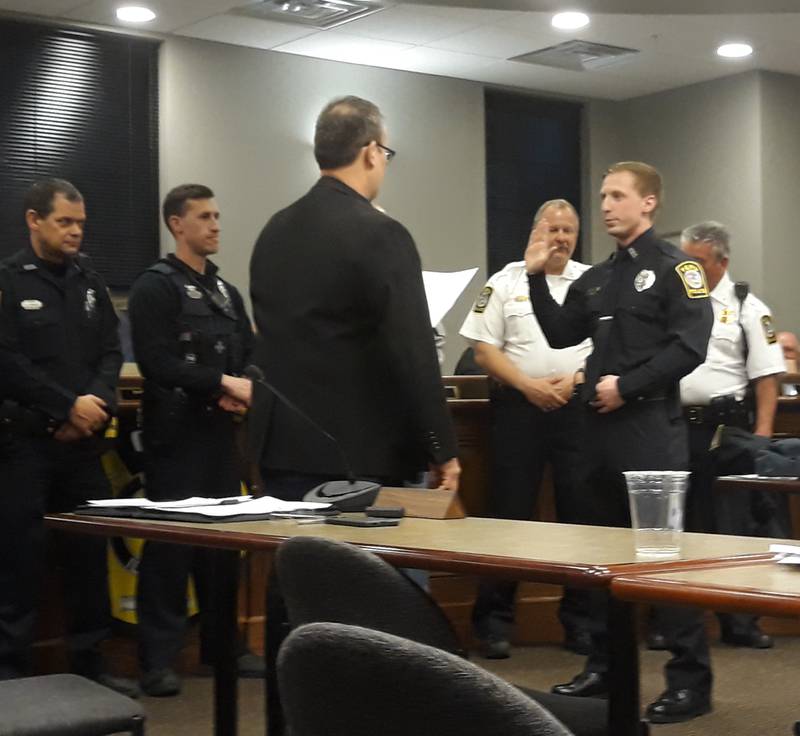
(217, 508)
(786, 554)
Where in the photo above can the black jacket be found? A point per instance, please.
(168, 352)
(58, 335)
(345, 333)
(647, 311)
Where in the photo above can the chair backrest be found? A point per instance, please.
(341, 680)
(325, 580)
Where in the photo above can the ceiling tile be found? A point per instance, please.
(41, 7)
(170, 14)
(474, 16)
(338, 46)
(499, 42)
(434, 61)
(407, 24)
(253, 32)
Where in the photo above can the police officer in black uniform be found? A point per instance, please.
(59, 363)
(647, 310)
(192, 339)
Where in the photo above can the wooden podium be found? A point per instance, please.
(422, 503)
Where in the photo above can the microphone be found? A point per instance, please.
(346, 495)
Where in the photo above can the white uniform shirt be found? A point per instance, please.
(725, 371)
(503, 317)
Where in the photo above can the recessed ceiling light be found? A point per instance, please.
(135, 14)
(735, 50)
(569, 21)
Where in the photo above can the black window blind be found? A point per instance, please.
(533, 154)
(82, 105)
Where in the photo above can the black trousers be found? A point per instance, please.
(720, 513)
(41, 476)
(200, 460)
(523, 440)
(641, 435)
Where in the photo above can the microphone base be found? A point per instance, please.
(344, 495)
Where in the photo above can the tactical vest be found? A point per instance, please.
(208, 322)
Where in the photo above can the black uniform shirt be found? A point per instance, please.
(58, 334)
(647, 311)
(154, 307)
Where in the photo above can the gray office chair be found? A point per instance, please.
(341, 680)
(324, 580)
(65, 705)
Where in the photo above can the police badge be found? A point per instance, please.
(222, 290)
(90, 303)
(644, 279)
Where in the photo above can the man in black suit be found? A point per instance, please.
(344, 328)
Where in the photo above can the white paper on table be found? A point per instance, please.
(263, 505)
(214, 507)
(442, 289)
(785, 549)
(786, 554)
(146, 503)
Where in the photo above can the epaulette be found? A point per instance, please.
(163, 267)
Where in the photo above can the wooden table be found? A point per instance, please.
(746, 585)
(776, 485)
(579, 556)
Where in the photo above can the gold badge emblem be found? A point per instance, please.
(693, 278)
(769, 330)
(483, 300)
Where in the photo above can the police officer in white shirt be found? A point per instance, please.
(535, 418)
(736, 386)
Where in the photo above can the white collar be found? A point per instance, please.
(571, 271)
(724, 292)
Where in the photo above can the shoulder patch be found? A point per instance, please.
(769, 330)
(693, 278)
(483, 300)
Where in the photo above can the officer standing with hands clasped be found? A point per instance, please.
(59, 362)
(192, 339)
(536, 417)
(647, 311)
(736, 386)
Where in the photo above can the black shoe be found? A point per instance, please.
(91, 664)
(122, 685)
(584, 685)
(578, 641)
(675, 706)
(495, 648)
(753, 638)
(250, 665)
(161, 683)
(657, 642)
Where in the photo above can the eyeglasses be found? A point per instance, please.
(389, 153)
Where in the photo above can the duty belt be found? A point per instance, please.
(722, 410)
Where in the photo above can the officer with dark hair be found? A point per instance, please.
(343, 324)
(59, 362)
(192, 339)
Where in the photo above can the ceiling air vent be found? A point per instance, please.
(314, 13)
(578, 56)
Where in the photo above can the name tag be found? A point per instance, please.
(31, 305)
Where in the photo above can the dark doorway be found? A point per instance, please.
(533, 153)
